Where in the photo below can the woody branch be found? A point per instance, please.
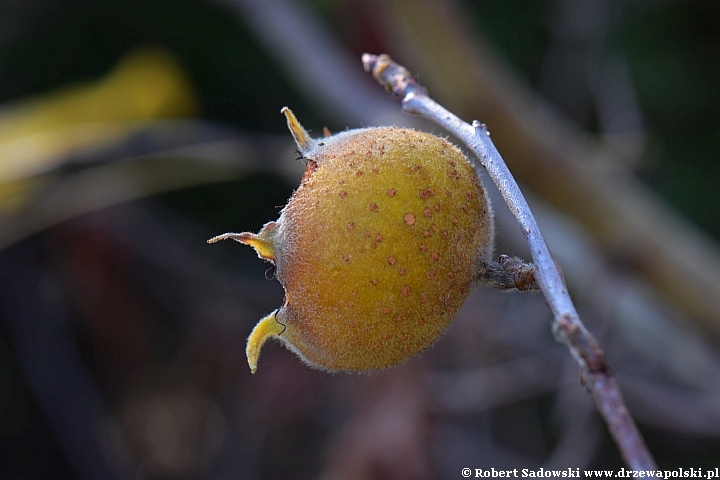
(567, 326)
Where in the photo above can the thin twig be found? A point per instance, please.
(567, 326)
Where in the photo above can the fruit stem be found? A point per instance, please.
(509, 274)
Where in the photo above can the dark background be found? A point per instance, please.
(122, 333)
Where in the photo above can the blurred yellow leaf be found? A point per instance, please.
(36, 134)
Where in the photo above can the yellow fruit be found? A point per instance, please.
(376, 250)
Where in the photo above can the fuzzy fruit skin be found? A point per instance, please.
(376, 250)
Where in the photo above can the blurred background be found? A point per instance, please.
(132, 131)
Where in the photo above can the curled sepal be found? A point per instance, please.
(266, 328)
(302, 139)
(263, 242)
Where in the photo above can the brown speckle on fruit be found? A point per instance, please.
(350, 298)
